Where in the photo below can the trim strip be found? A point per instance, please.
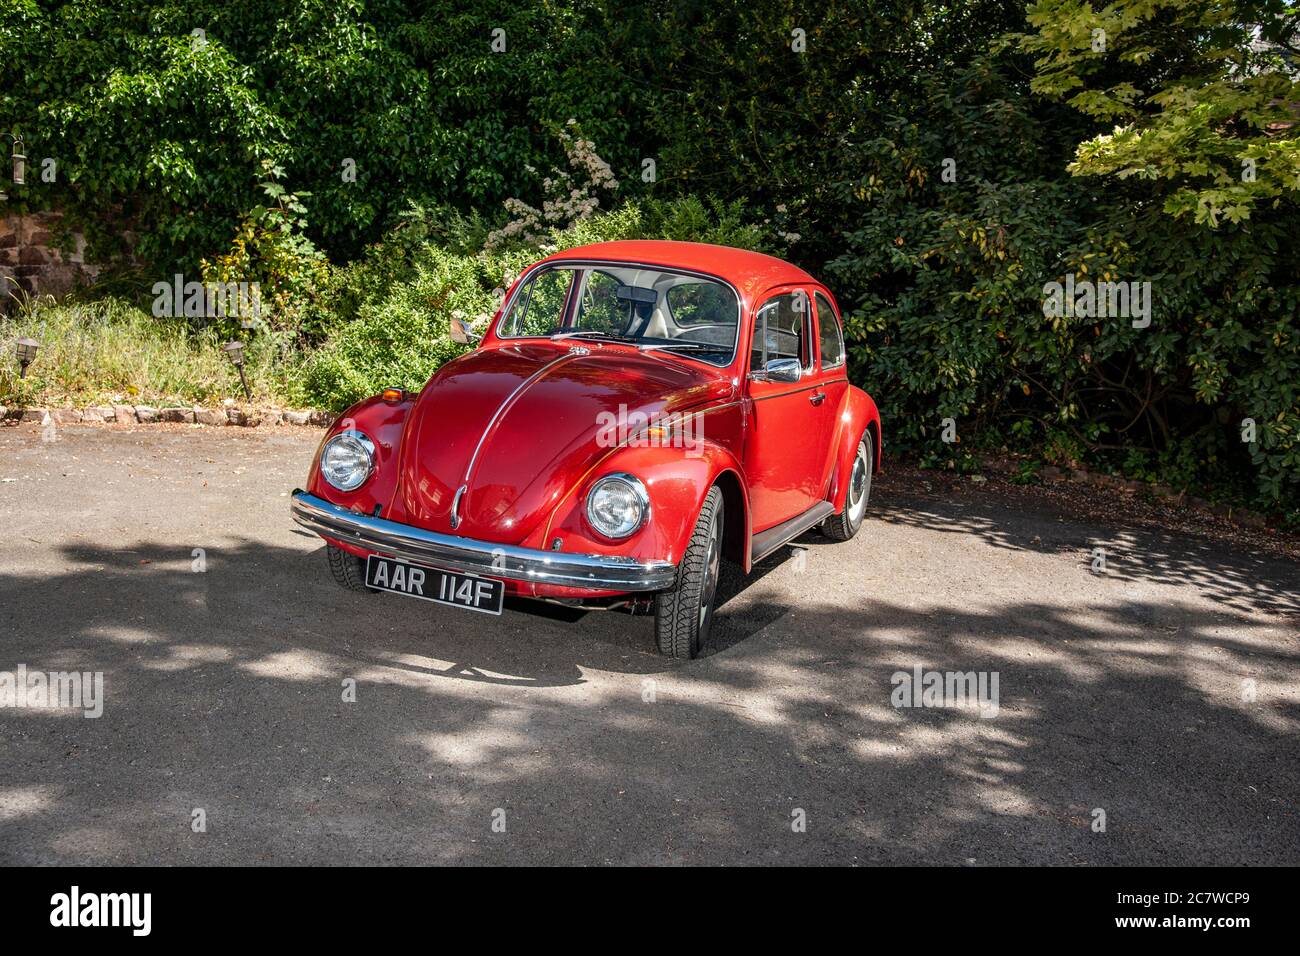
(796, 391)
(504, 407)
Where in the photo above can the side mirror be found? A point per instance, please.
(460, 332)
(783, 370)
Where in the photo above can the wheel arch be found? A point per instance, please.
(859, 416)
(385, 424)
(877, 446)
(735, 517)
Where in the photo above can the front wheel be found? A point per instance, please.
(845, 525)
(348, 570)
(683, 615)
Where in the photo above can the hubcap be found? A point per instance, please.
(712, 562)
(859, 481)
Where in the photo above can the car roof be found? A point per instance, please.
(749, 272)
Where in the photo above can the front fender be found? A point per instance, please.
(676, 482)
(383, 422)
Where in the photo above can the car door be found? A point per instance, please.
(788, 445)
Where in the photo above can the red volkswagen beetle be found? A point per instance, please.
(636, 413)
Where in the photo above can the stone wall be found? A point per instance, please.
(229, 413)
(30, 259)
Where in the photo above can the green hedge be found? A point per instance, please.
(163, 131)
(400, 297)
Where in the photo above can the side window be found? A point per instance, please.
(829, 334)
(601, 309)
(781, 331)
(539, 306)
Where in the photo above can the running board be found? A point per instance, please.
(766, 542)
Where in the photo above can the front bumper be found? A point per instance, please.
(507, 562)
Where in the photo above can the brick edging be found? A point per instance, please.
(192, 415)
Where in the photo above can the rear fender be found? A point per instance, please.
(856, 415)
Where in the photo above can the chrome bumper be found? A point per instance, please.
(508, 562)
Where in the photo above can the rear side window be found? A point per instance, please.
(832, 339)
(781, 331)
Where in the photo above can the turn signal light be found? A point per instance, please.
(393, 395)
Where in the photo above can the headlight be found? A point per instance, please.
(347, 460)
(617, 505)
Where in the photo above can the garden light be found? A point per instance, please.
(235, 352)
(27, 349)
(20, 163)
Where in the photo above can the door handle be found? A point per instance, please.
(817, 397)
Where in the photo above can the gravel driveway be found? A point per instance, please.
(1160, 696)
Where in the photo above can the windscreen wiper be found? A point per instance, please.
(694, 346)
(583, 333)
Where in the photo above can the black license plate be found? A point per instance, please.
(433, 584)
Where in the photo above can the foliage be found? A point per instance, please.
(567, 200)
(270, 249)
(1204, 94)
(1201, 185)
(366, 104)
(941, 276)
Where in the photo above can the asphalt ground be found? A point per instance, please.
(1160, 695)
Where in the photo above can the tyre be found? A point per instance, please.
(349, 571)
(845, 525)
(683, 615)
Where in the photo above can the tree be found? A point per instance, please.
(1204, 94)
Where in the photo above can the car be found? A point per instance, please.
(637, 417)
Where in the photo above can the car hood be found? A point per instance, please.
(518, 426)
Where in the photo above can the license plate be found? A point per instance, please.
(432, 584)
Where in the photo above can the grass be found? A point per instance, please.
(108, 350)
